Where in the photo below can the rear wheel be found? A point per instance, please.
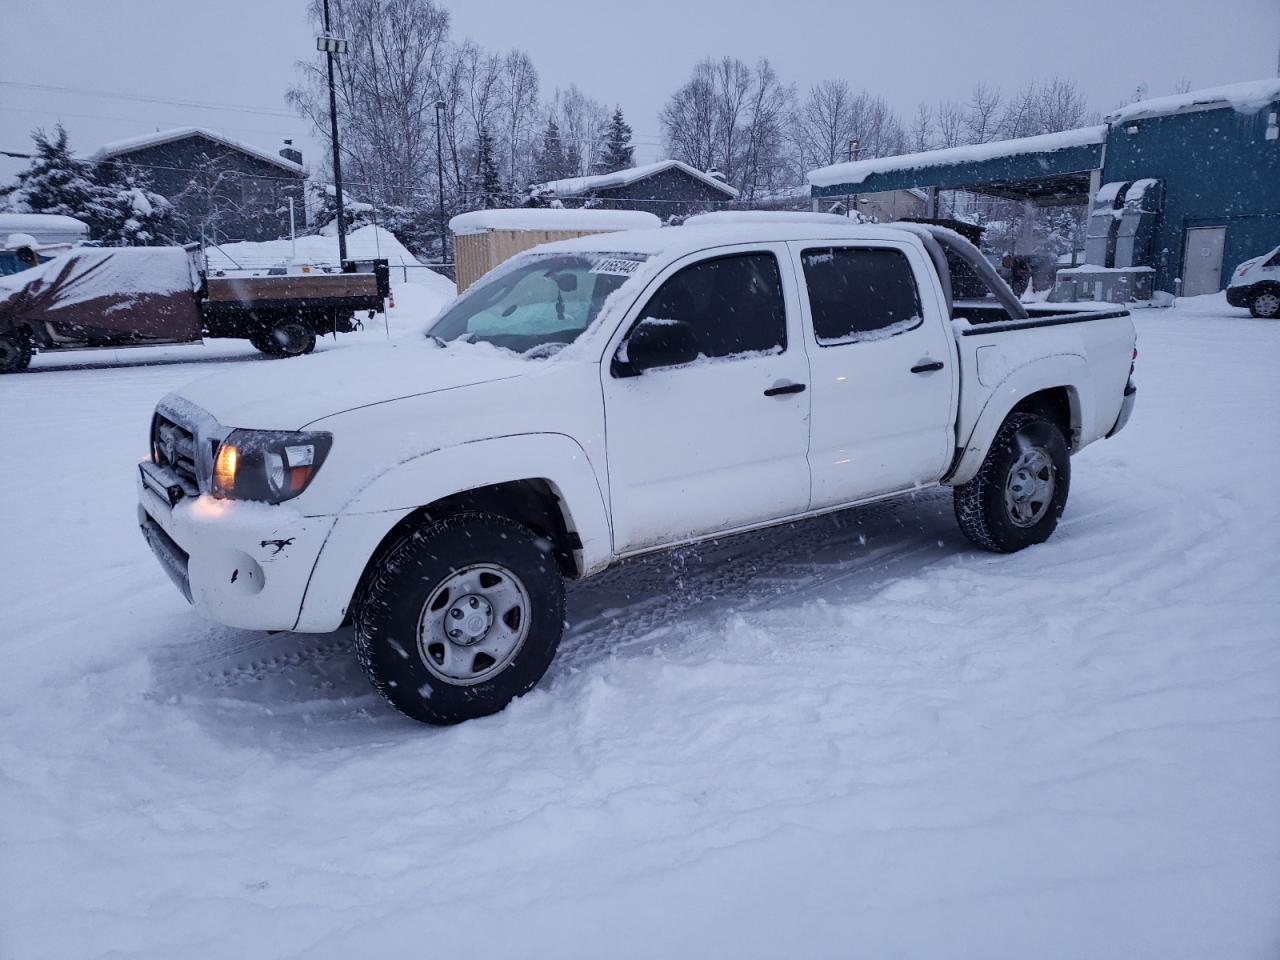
(459, 616)
(1266, 305)
(1018, 495)
(288, 338)
(15, 352)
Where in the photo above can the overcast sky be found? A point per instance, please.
(240, 53)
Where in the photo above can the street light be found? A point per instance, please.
(444, 242)
(332, 45)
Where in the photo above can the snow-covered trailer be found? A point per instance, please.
(145, 296)
(485, 238)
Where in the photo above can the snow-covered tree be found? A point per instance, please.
(618, 154)
(115, 201)
(488, 186)
(551, 163)
(58, 182)
(139, 215)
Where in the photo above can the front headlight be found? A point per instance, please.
(268, 465)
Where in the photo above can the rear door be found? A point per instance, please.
(700, 448)
(882, 357)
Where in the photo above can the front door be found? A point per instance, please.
(1202, 264)
(884, 377)
(700, 448)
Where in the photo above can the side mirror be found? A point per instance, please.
(656, 343)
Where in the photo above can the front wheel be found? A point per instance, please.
(459, 616)
(1266, 305)
(15, 352)
(1018, 495)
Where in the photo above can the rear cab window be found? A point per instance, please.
(858, 294)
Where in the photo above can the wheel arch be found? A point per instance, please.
(564, 504)
(1049, 387)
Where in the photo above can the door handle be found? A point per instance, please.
(927, 366)
(781, 389)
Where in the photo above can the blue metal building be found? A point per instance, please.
(1204, 167)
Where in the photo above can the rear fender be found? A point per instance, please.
(1067, 370)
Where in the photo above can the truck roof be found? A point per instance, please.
(677, 241)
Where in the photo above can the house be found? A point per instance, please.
(1179, 189)
(221, 189)
(668, 189)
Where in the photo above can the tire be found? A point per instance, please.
(15, 352)
(1266, 305)
(1018, 495)
(461, 576)
(288, 338)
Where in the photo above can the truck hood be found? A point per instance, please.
(289, 394)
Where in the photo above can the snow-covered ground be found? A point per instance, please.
(855, 736)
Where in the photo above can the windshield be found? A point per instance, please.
(540, 304)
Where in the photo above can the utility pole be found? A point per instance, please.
(331, 45)
(444, 240)
(852, 202)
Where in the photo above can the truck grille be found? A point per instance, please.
(174, 446)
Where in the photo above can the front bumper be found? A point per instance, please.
(238, 563)
(1239, 296)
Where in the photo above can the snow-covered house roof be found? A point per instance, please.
(859, 170)
(131, 144)
(577, 186)
(1249, 97)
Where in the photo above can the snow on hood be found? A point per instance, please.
(289, 394)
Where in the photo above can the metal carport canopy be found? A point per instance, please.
(1050, 169)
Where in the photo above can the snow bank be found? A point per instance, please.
(366, 243)
(856, 172)
(1249, 97)
(576, 186)
(602, 221)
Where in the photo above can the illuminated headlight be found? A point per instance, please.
(268, 465)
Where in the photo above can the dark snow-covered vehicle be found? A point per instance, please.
(146, 296)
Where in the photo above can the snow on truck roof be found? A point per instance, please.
(677, 241)
(541, 218)
(129, 144)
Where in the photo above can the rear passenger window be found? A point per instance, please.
(732, 304)
(858, 294)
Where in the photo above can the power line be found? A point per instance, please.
(106, 94)
(298, 132)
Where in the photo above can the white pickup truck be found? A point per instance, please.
(604, 397)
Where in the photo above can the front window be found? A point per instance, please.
(539, 305)
(732, 305)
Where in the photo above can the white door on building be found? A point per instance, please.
(1202, 263)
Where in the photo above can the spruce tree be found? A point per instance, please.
(488, 181)
(57, 182)
(115, 201)
(551, 162)
(618, 154)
